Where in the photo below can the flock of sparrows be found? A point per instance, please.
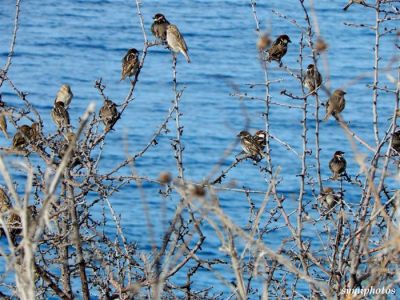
(167, 33)
(254, 145)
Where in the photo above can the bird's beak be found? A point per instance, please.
(289, 41)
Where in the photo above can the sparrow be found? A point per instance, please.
(22, 138)
(335, 104)
(70, 138)
(250, 145)
(263, 42)
(278, 48)
(337, 165)
(328, 198)
(60, 115)
(3, 121)
(35, 132)
(64, 95)
(352, 2)
(109, 114)
(130, 63)
(176, 42)
(5, 203)
(396, 141)
(159, 27)
(312, 79)
(261, 138)
(14, 224)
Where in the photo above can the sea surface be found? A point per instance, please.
(78, 42)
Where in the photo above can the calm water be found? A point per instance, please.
(77, 42)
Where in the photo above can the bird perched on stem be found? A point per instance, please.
(338, 165)
(159, 27)
(60, 116)
(396, 141)
(64, 95)
(130, 63)
(328, 198)
(335, 104)
(176, 42)
(278, 48)
(3, 125)
(5, 203)
(22, 138)
(250, 145)
(261, 138)
(109, 114)
(312, 79)
(351, 2)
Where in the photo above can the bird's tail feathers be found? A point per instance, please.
(347, 5)
(186, 56)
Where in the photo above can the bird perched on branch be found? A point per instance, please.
(351, 2)
(396, 141)
(130, 63)
(278, 48)
(312, 79)
(250, 145)
(5, 203)
(64, 95)
(22, 138)
(3, 121)
(261, 138)
(338, 165)
(176, 42)
(159, 27)
(109, 114)
(335, 104)
(328, 198)
(60, 116)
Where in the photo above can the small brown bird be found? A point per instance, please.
(109, 114)
(338, 165)
(335, 104)
(60, 116)
(351, 2)
(14, 223)
(5, 203)
(35, 132)
(250, 145)
(261, 138)
(328, 198)
(64, 95)
(176, 42)
(22, 138)
(312, 79)
(3, 121)
(396, 141)
(130, 63)
(70, 139)
(279, 48)
(159, 27)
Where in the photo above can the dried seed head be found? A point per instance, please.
(165, 177)
(197, 190)
(320, 45)
(263, 42)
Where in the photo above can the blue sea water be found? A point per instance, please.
(78, 42)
